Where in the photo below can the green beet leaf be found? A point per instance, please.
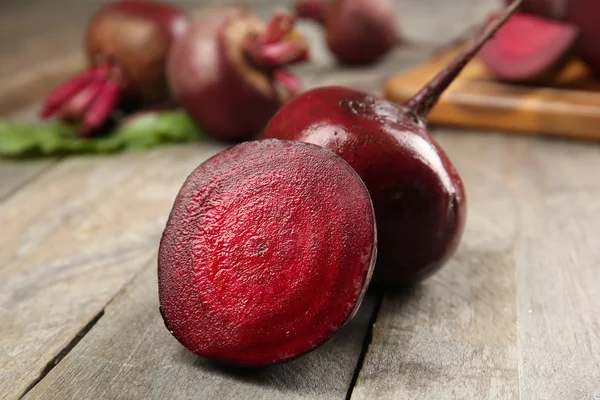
(139, 132)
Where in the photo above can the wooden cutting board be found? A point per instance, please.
(569, 107)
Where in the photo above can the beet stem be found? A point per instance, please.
(59, 96)
(422, 102)
(101, 108)
(275, 55)
(64, 92)
(288, 81)
(78, 104)
(280, 25)
(276, 46)
(314, 10)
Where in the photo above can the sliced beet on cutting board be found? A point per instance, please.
(569, 107)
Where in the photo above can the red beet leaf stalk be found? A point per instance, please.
(127, 43)
(272, 49)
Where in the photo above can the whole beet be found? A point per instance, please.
(228, 71)
(358, 32)
(418, 196)
(126, 43)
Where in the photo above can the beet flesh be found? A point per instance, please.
(230, 87)
(529, 49)
(127, 44)
(359, 32)
(267, 252)
(419, 198)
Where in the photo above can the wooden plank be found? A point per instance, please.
(71, 241)
(23, 87)
(130, 354)
(455, 336)
(558, 274)
(15, 174)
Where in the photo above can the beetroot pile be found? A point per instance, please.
(537, 44)
(271, 244)
(227, 69)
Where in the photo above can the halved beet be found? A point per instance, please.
(267, 252)
(529, 49)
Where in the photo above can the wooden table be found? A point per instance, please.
(515, 314)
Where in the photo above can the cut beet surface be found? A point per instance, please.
(267, 252)
(529, 49)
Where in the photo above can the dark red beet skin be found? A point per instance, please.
(127, 43)
(267, 252)
(417, 194)
(228, 71)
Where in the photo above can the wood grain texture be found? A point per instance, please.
(515, 313)
(146, 362)
(71, 241)
(558, 271)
